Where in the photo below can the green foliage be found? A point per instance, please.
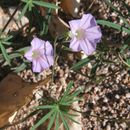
(128, 61)
(45, 23)
(19, 68)
(59, 110)
(29, 4)
(121, 16)
(123, 56)
(24, 11)
(45, 4)
(82, 62)
(113, 25)
(4, 41)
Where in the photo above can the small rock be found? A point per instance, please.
(108, 127)
(123, 125)
(39, 94)
(117, 96)
(105, 100)
(128, 95)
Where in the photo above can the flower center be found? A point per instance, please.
(80, 34)
(36, 54)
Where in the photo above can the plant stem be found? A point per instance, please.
(53, 69)
(123, 61)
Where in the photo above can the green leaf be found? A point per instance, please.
(81, 63)
(14, 55)
(70, 117)
(42, 120)
(64, 121)
(8, 38)
(113, 25)
(46, 23)
(5, 53)
(6, 43)
(23, 11)
(70, 98)
(124, 47)
(45, 4)
(128, 61)
(52, 121)
(69, 102)
(25, 1)
(19, 68)
(70, 85)
(44, 107)
(57, 121)
(30, 5)
(23, 50)
(94, 69)
(76, 93)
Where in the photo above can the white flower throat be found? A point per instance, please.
(36, 54)
(80, 34)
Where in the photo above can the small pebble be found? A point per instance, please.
(128, 95)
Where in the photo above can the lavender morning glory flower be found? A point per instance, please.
(85, 34)
(40, 54)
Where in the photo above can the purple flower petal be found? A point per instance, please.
(50, 60)
(44, 63)
(86, 34)
(87, 21)
(87, 47)
(40, 54)
(94, 33)
(74, 45)
(28, 55)
(37, 43)
(36, 66)
(48, 50)
(74, 24)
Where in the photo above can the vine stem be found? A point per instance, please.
(11, 17)
(123, 60)
(53, 69)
